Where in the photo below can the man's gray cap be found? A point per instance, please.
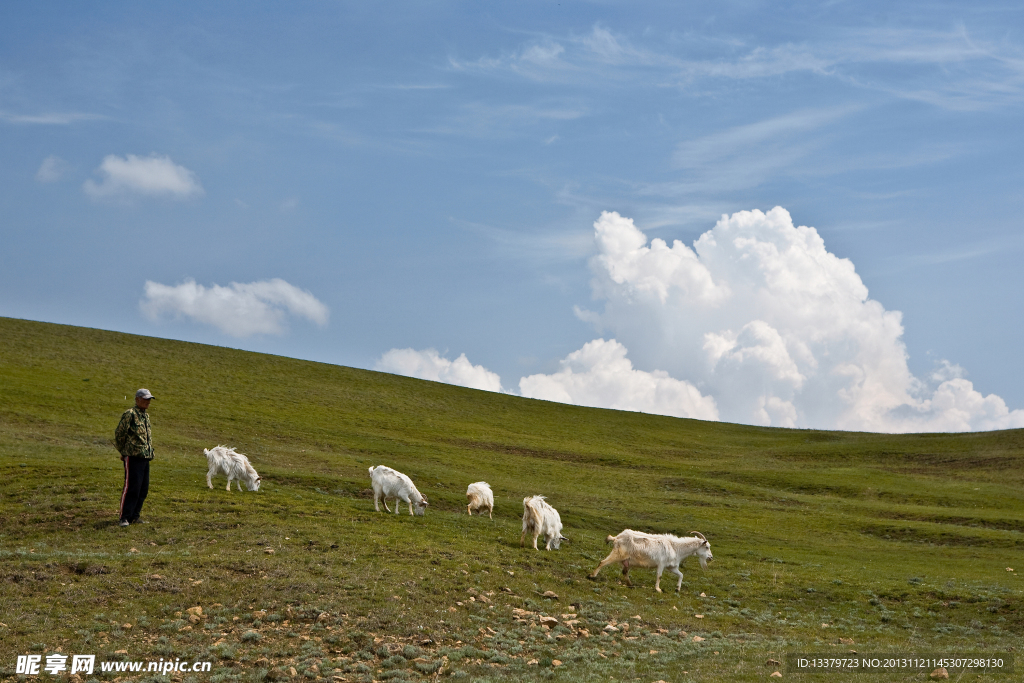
(144, 393)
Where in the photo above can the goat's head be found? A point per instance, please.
(255, 485)
(703, 550)
(421, 507)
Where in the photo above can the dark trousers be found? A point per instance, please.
(136, 486)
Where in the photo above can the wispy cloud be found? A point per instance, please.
(52, 169)
(154, 176)
(486, 119)
(48, 119)
(537, 246)
(953, 68)
(239, 310)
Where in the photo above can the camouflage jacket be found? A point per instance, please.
(133, 436)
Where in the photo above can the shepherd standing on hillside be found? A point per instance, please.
(134, 440)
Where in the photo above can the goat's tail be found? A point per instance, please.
(372, 469)
(610, 539)
(531, 515)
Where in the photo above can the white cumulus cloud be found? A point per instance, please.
(153, 176)
(429, 364)
(771, 327)
(600, 375)
(240, 309)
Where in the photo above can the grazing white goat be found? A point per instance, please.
(480, 496)
(389, 483)
(540, 519)
(664, 551)
(235, 465)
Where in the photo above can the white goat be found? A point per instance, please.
(540, 519)
(480, 496)
(664, 551)
(235, 465)
(389, 483)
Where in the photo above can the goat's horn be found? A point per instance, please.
(701, 535)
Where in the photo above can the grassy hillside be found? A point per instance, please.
(823, 541)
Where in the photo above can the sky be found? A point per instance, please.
(800, 215)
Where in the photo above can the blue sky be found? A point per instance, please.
(381, 177)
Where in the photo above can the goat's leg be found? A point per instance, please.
(679, 586)
(535, 535)
(657, 581)
(376, 501)
(625, 573)
(490, 512)
(410, 506)
(469, 509)
(209, 475)
(239, 482)
(612, 558)
(229, 484)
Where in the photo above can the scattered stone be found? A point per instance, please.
(698, 639)
(550, 595)
(292, 672)
(773, 662)
(549, 622)
(699, 616)
(120, 652)
(824, 625)
(270, 551)
(846, 641)
(1009, 569)
(155, 576)
(637, 617)
(703, 595)
(653, 652)
(556, 662)
(776, 674)
(939, 674)
(134, 550)
(532, 662)
(259, 614)
(197, 611)
(127, 626)
(611, 629)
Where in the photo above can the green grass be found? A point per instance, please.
(896, 543)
